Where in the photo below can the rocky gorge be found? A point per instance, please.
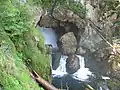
(76, 36)
(73, 44)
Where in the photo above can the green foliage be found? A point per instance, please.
(16, 22)
(45, 4)
(114, 84)
(72, 5)
(13, 73)
(77, 8)
(35, 53)
(109, 7)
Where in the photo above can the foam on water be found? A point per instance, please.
(23, 1)
(82, 74)
(61, 70)
(51, 38)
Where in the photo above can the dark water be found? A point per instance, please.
(69, 83)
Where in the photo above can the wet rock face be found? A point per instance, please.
(72, 64)
(55, 60)
(90, 39)
(68, 43)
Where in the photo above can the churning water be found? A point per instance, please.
(60, 73)
(82, 74)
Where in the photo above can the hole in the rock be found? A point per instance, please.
(68, 27)
(60, 76)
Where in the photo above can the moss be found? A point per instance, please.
(19, 40)
(13, 73)
(35, 53)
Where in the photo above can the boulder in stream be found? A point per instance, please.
(68, 43)
(72, 63)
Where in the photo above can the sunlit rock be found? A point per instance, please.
(68, 43)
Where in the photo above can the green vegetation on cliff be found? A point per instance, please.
(13, 73)
(20, 44)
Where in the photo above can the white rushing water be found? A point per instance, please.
(82, 74)
(50, 36)
(61, 70)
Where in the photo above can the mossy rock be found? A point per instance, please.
(35, 53)
(13, 73)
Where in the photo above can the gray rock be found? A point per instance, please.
(97, 62)
(48, 21)
(68, 43)
(66, 15)
(90, 39)
(60, 15)
(72, 64)
(55, 60)
(80, 51)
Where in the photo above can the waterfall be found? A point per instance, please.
(82, 74)
(61, 70)
(49, 36)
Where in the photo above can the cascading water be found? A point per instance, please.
(81, 75)
(50, 36)
(61, 70)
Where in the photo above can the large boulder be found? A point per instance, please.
(68, 43)
(46, 20)
(90, 39)
(72, 64)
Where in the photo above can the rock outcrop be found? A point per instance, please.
(68, 43)
(72, 63)
(60, 17)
